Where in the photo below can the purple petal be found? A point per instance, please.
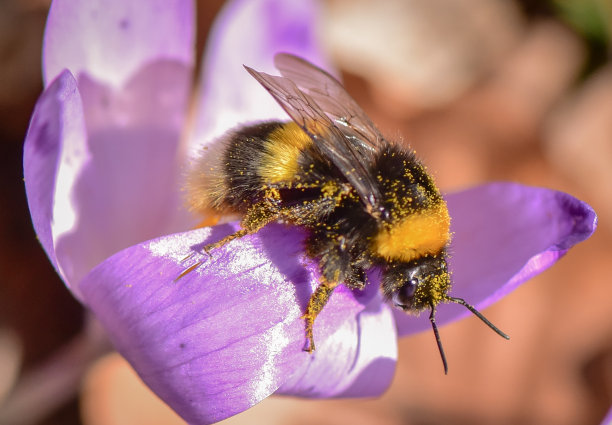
(129, 191)
(112, 40)
(504, 234)
(250, 33)
(227, 334)
(54, 151)
(362, 369)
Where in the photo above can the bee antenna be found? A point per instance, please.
(437, 335)
(478, 314)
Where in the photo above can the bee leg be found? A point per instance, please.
(256, 217)
(315, 305)
(240, 233)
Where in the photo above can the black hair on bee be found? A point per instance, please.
(365, 201)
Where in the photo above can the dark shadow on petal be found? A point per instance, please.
(291, 262)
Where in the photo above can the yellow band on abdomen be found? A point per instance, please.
(284, 145)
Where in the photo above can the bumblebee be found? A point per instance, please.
(366, 202)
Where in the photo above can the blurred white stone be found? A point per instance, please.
(530, 81)
(421, 52)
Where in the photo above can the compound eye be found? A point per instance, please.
(402, 297)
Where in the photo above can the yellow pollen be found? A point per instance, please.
(423, 233)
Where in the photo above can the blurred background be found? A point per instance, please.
(483, 90)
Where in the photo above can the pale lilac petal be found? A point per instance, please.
(111, 40)
(363, 368)
(227, 334)
(608, 419)
(250, 33)
(54, 151)
(504, 233)
(128, 191)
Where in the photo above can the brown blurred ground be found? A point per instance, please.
(525, 109)
(36, 311)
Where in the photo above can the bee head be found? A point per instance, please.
(421, 284)
(418, 284)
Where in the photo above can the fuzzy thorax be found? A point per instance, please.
(426, 232)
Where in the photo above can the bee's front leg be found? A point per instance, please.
(256, 217)
(316, 303)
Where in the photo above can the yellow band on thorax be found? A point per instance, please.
(423, 233)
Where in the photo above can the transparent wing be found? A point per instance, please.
(331, 96)
(352, 161)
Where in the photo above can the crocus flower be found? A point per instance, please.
(103, 161)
